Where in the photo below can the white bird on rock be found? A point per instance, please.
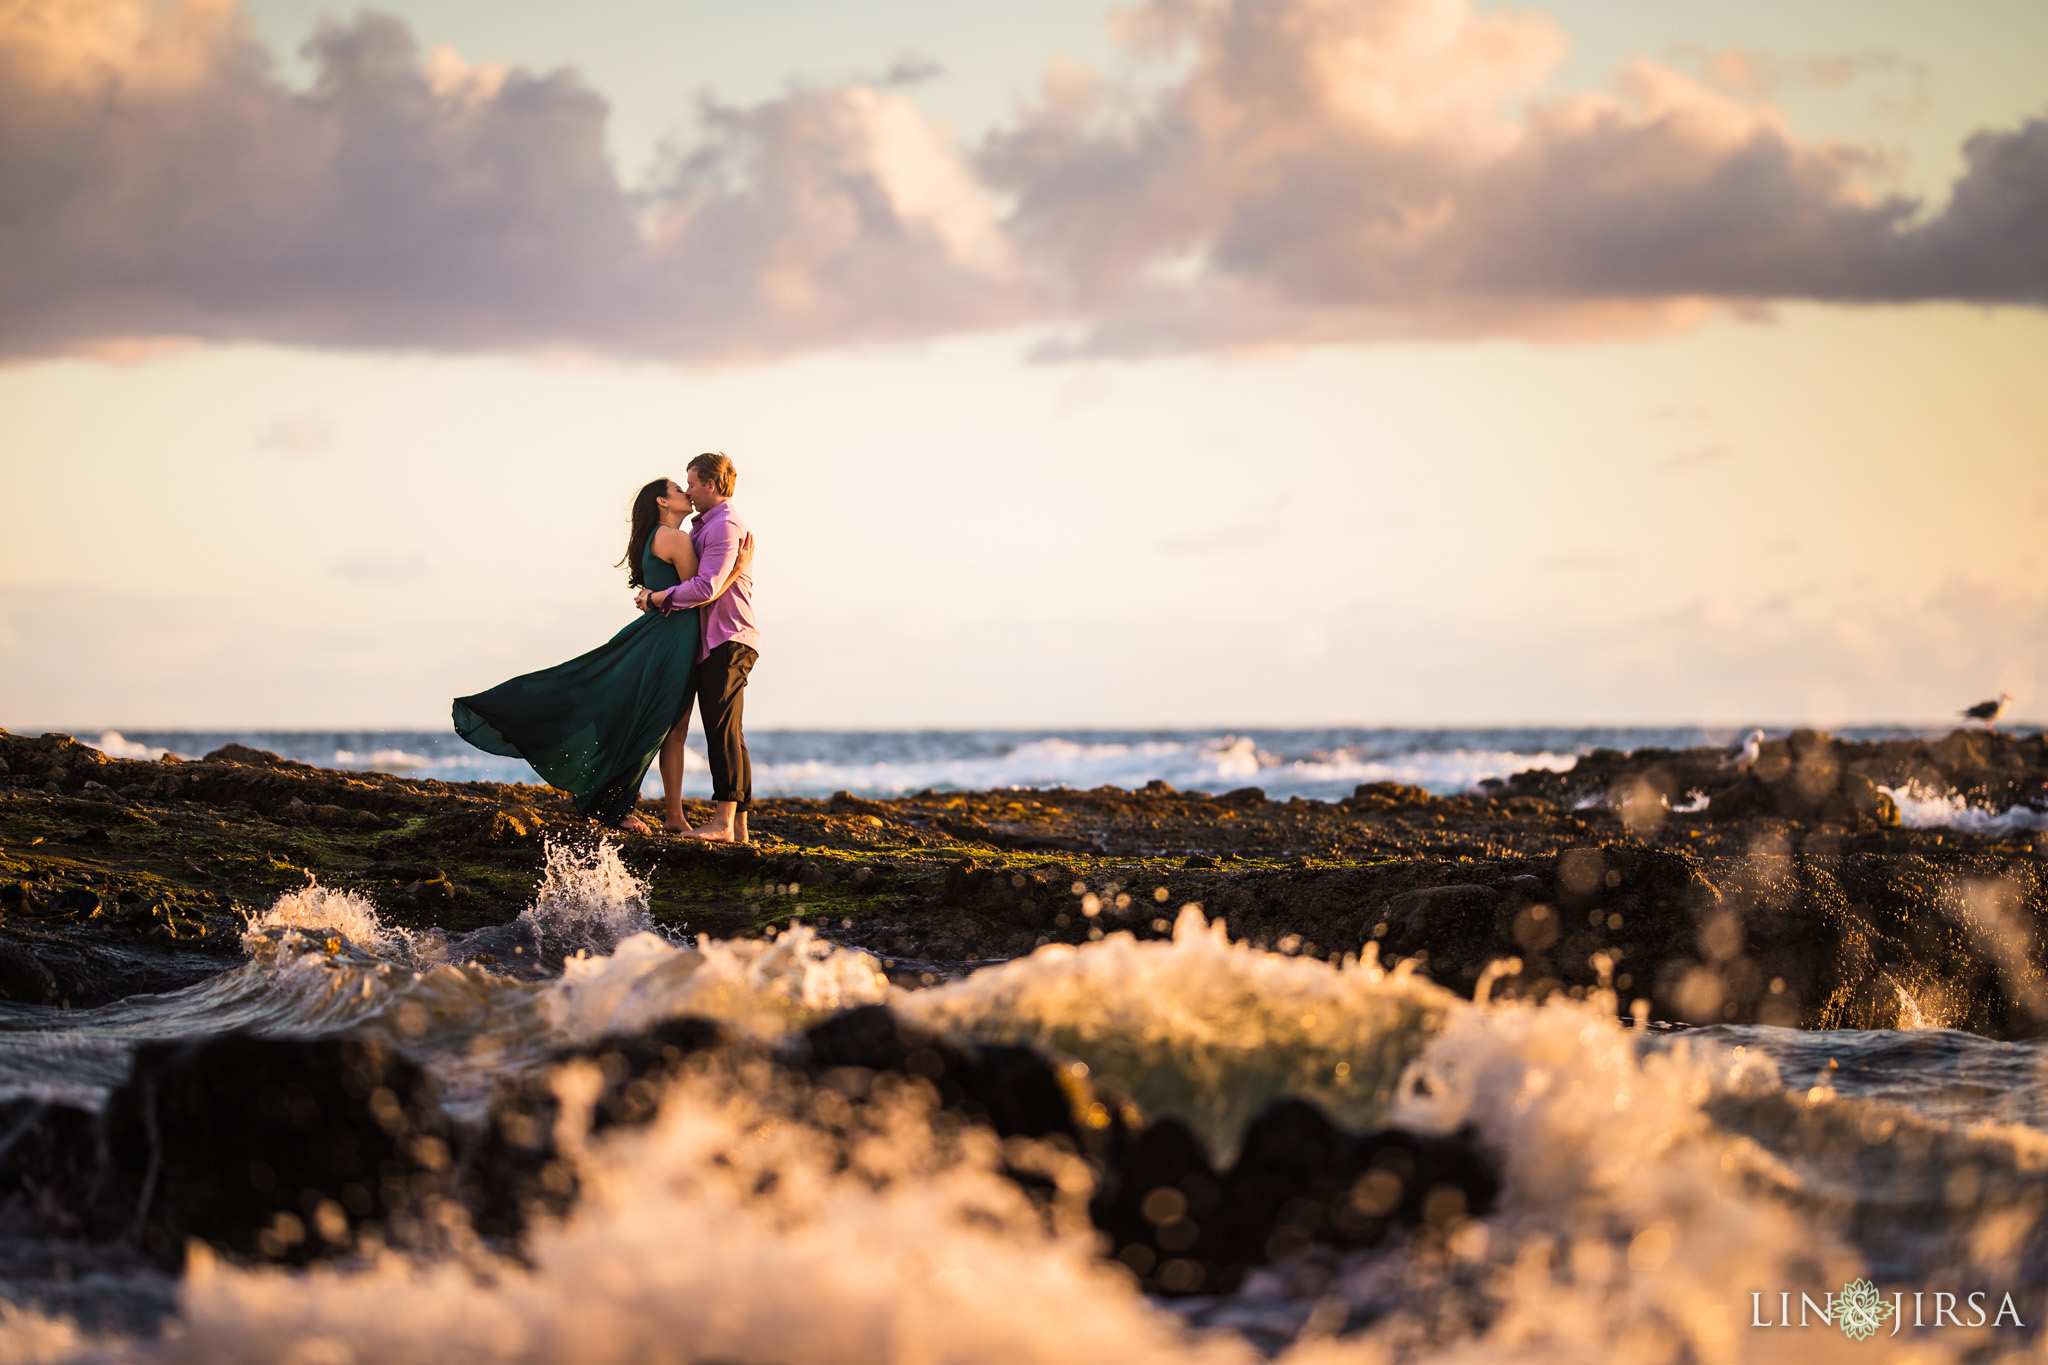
(1988, 711)
(1743, 752)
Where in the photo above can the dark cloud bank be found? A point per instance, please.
(1318, 170)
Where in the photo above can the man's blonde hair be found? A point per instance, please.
(715, 472)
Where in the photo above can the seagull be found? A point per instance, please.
(1988, 711)
(1743, 752)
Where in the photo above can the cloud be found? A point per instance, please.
(1266, 171)
(162, 182)
(1760, 74)
(1361, 168)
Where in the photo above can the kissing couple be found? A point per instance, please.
(593, 725)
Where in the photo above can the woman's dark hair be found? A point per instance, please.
(646, 516)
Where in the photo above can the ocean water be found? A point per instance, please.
(1318, 764)
(1662, 1189)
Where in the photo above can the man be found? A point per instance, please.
(726, 640)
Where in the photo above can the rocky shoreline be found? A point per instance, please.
(1785, 893)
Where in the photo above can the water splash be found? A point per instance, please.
(382, 760)
(587, 900)
(317, 918)
(737, 1226)
(761, 987)
(114, 744)
(1201, 1027)
(1922, 807)
(1909, 1009)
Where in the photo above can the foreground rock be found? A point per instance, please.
(285, 1150)
(1786, 893)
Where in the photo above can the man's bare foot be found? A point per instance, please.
(633, 824)
(727, 825)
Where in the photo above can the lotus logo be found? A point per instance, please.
(1861, 1310)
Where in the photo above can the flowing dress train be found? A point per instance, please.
(593, 725)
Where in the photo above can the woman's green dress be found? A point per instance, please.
(592, 726)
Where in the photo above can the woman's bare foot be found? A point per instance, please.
(633, 824)
(677, 825)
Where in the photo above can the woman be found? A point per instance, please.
(591, 726)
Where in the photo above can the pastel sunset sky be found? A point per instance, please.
(1232, 362)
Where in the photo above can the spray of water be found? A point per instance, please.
(1201, 1027)
(1650, 1184)
(1922, 807)
(315, 916)
(760, 987)
(587, 900)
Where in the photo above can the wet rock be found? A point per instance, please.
(964, 879)
(405, 872)
(88, 973)
(248, 757)
(846, 803)
(1298, 1179)
(512, 1171)
(24, 979)
(271, 1148)
(1808, 784)
(431, 894)
(1453, 926)
(1012, 1089)
(504, 828)
(49, 1155)
(1387, 796)
(77, 900)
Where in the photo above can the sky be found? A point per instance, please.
(1206, 362)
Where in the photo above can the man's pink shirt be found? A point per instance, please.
(716, 535)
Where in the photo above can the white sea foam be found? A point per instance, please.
(1214, 764)
(1921, 807)
(315, 912)
(761, 987)
(382, 760)
(1649, 1185)
(1201, 1027)
(116, 745)
(1633, 1223)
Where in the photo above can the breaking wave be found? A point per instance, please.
(1652, 1182)
(1921, 807)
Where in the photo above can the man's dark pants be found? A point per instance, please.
(720, 689)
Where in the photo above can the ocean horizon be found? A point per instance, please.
(1315, 763)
